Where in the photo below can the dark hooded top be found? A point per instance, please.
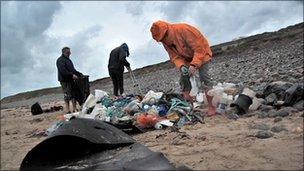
(117, 59)
(66, 69)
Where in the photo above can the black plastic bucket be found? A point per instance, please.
(242, 104)
(82, 86)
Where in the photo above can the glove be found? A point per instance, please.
(184, 70)
(185, 79)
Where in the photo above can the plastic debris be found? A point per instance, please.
(55, 126)
(133, 107)
(156, 110)
(173, 116)
(166, 122)
(145, 120)
(152, 97)
(162, 110)
(90, 102)
(256, 103)
(158, 126)
(194, 80)
(99, 94)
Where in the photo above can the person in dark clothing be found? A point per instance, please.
(117, 62)
(66, 76)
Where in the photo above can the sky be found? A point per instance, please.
(34, 32)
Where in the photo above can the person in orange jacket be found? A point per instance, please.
(189, 50)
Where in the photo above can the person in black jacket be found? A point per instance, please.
(117, 62)
(66, 76)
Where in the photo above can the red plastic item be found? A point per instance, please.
(145, 120)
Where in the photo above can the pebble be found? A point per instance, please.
(38, 120)
(233, 116)
(263, 134)
(261, 126)
(277, 119)
(272, 113)
(282, 112)
(265, 108)
(298, 130)
(250, 114)
(270, 99)
(278, 128)
(263, 115)
(299, 106)
(177, 141)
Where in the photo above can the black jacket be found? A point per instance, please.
(117, 59)
(66, 69)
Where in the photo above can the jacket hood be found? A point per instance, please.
(159, 29)
(125, 47)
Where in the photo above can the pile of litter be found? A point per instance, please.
(155, 110)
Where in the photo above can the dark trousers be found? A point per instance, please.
(117, 79)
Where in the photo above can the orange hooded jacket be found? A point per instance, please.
(184, 43)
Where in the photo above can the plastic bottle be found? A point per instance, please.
(158, 126)
(222, 105)
(200, 97)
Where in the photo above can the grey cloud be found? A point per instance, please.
(22, 28)
(223, 21)
(150, 53)
(135, 7)
(176, 10)
(83, 55)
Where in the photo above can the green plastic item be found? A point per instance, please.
(106, 101)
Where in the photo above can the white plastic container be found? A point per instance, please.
(200, 97)
(158, 126)
(99, 94)
(249, 92)
(222, 104)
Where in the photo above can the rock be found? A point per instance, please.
(262, 101)
(38, 119)
(163, 148)
(233, 116)
(7, 133)
(279, 103)
(294, 94)
(260, 126)
(278, 128)
(183, 167)
(278, 88)
(298, 130)
(15, 132)
(250, 114)
(176, 142)
(263, 134)
(277, 119)
(272, 113)
(256, 103)
(266, 108)
(299, 105)
(263, 115)
(271, 99)
(282, 112)
(291, 109)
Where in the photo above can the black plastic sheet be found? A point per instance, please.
(85, 144)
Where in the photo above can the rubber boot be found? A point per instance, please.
(211, 108)
(187, 97)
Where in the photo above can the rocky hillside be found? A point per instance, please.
(254, 61)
